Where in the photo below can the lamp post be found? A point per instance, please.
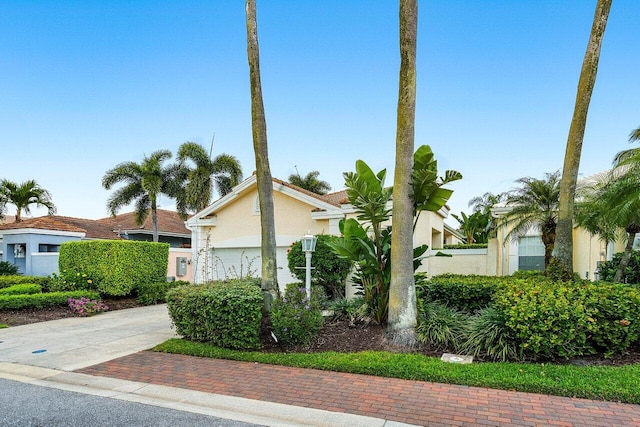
(308, 247)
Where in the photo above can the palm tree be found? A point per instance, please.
(222, 172)
(269, 282)
(631, 156)
(475, 226)
(484, 204)
(310, 182)
(402, 292)
(23, 195)
(144, 183)
(564, 248)
(535, 204)
(610, 205)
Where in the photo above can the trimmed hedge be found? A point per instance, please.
(555, 319)
(227, 314)
(6, 281)
(156, 293)
(115, 266)
(22, 289)
(464, 293)
(16, 302)
(466, 246)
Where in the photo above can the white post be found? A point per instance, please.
(307, 282)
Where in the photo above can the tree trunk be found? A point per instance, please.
(626, 257)
(154, 219)
(564, 240)
(263, 172)
(402, 293)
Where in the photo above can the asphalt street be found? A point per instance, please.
(23, 405)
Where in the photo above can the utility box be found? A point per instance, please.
(181, 266)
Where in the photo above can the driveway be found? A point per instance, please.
(77, 342)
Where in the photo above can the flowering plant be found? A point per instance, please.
(295, 318)
(85, 307)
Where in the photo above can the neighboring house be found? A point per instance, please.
(226, 236)
(33, 244)
(527, 252)
(5, 220)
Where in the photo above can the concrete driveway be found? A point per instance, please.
(77, 342)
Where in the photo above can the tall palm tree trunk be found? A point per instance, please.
(263, 172)
(402, 293)
(564, 240)
(154, 220)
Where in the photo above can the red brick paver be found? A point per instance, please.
(413, 402)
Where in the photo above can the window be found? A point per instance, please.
(44, 247)
(530, 253)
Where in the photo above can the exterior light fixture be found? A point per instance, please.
(308, 247)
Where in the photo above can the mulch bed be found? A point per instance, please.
(335, 335)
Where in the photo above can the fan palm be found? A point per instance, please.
(143, 184)
(222, 172)
(535, 205)
(23, 195)
(310, 182)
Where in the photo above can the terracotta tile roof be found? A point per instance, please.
(91, 228)
(307, 192)
(338, 198)
(168, 222)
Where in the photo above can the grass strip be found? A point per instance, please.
(611, 383)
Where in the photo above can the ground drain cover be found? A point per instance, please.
(38, 351)
(456, 358)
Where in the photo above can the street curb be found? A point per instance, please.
(222, 406)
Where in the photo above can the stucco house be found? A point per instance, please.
(33, 244)
(226, 235)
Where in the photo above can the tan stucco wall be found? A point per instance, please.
(175, 253)
(463, 261)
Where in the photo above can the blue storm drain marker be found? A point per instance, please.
(38, 351)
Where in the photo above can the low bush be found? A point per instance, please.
(6, 281)
(84, 307)
(490, 337)
(67, 281)
(156, 293)
(466, 246)
(8, 269)
(555, 319)
(354, 309)
(441, 327)
(226, 314)
(463, 293)
(16, 302)
(295, 318)
(22, 289)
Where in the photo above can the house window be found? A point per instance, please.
(44, 247)
(530, 253)
(256, 206)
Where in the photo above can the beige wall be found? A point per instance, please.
(463, 261)
(175, 253)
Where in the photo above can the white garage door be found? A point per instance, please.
(230, 263)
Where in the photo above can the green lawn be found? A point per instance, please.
(592, 382)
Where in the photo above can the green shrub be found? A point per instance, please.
(296, 319)
(8, 269)
(616, 311)
(353, 309)
(330, 271)
(631, 274)
(464, 293)
(466, 246)
(67, 281)
(16, 302)
(548, 319)
(226, 314)
(6, 281)
(490, 337)
(156, 293)
(22, 289)
(441, 326)
(115, 266)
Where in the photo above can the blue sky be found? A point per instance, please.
(85, 85)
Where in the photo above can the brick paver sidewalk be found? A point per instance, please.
(413, 402)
